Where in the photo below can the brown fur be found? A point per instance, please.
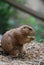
(14, 39)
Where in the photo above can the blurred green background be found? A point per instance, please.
(10, 17)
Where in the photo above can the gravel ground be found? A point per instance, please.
(34, 55)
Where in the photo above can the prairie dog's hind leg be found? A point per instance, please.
(14, 53)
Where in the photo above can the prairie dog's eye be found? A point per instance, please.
(30, 29)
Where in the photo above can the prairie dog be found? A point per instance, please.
(14, 39)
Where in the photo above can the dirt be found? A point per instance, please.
(34, 55)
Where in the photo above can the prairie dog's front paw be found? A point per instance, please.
(31, 38)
